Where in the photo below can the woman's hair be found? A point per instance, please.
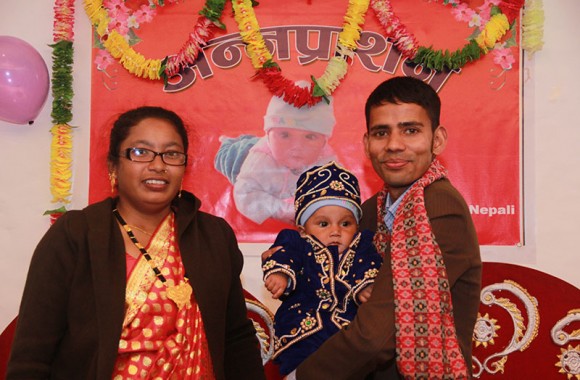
(122, 126)
(399, 90)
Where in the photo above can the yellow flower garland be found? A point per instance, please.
(337, 66)
(533, 26)
(60, 163)
(118, 47)
(140, 66)
(494, 30)
(134, 62)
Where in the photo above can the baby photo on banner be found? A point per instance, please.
(269, 90)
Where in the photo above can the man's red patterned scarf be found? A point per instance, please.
(427, 345)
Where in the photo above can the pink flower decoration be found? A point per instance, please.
(485, 10)
(103, 59)
(145, 14)
(463, 13)
(115, 8)
(489, 3)
(475, 21)
(120, 26)
(503, 57)
(116, 5)
(132, 22)
(121, 17)
(485, 15)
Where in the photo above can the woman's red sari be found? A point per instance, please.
(160, 341)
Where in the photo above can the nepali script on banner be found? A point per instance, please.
(225, 107)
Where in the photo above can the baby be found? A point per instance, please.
(324, 270)
(264, 169)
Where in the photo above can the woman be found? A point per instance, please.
(140, 286)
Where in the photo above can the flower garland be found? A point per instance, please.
(269, 71)
(134, 62)
(495, 28)
(532, 26)
(499, 22)
(62, 94)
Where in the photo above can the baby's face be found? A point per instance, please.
(332, 225)
(295, 148)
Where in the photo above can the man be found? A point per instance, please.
(419, 320)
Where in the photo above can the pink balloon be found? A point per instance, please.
(24, 81)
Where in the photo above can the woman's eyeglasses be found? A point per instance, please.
(148, 155)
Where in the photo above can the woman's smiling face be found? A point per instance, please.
(149, 185)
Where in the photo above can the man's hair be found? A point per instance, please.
(399, 90)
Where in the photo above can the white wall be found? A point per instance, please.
(551, 148)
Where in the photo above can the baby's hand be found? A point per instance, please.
(364, 295)
(276, 283)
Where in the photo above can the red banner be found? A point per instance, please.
(220, 100)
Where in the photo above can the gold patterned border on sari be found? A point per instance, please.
(142, 277)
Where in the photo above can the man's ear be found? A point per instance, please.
(301, 230)
(366, 145)
(439, 140)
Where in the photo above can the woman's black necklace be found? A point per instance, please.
(180, 294)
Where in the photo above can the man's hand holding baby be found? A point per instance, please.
(364, 295)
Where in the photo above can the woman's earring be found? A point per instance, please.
(113, 180)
